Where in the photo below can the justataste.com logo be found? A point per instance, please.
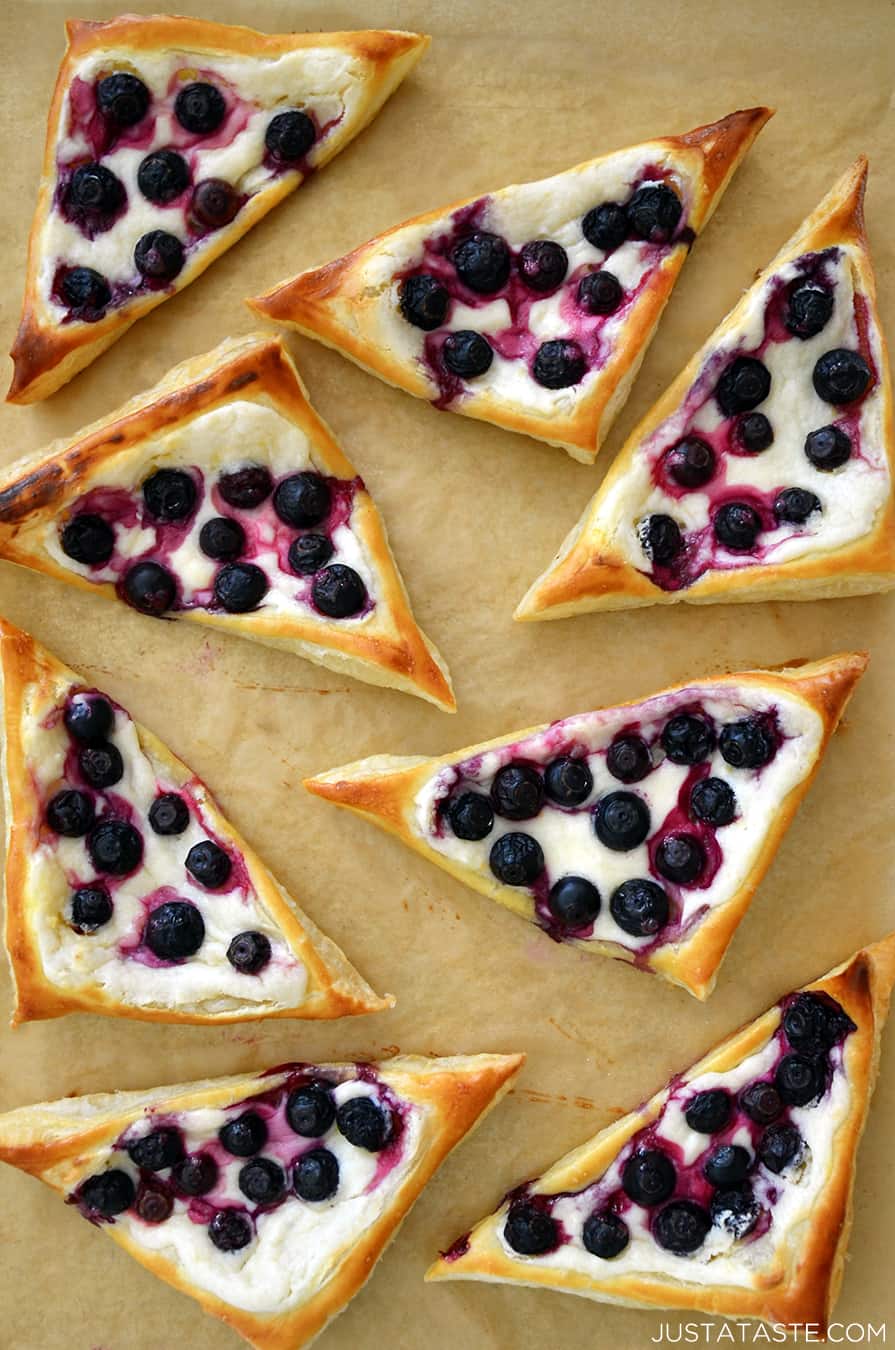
(759, 1333)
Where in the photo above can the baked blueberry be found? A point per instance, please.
(153, 1203)
(150, 588)
(654, 212)
(727, 1165)
(424, 301)
(467, 353)
(753, 432)
(687, 739)
(794, 505)
(559, 364)
(737, 525)
(482, 261)
(240, 587)
(680, 858)
(600, 293)
(471, 815)
(196, 1175)
(200, 108)
(249, 952)
(809, 309)
(310, 1110)
(708, 1111)
(761, 1103)
(222, 539)
(745, 383)
(690, 463)
(365, 1123)
(543, 264)
(316, 1175)
(91, 907)
(208, 863)
(605, 1235)
(247, 487)
(101, 765)
(244, 1136)
(529, 1229)
(174, 931)
(606, 226)
(338, 591)
(262, 1181)
(648, 1177)
(157, 1150)
(290, 135)
(517, 792)
(308, 553)
(70, 813)
(713, 801)
(574, 902)
(748, 744)
(95, 190)
(162, 176)
(123, 99)
(681, 1227)
(88, 539)
(85, 291)
(214, 203)
(735, 1209)
(621, 821)
(828, 448)
(169, 814)
(814, 1024)
(661, 538)
(779, 1146)
(302, 500)
(800, 1079)
(158, 256)
(568, 781)
(639, 907)
(516, 859)
(230, 1230)
(169, 494)
(107, 1193)
(841, 376)
(88, 717)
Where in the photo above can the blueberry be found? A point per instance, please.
(800, 1079)
(690, 463)
(169, 495)
(162, 176)
(648, 1177)
(91, 907)
(316, 1175)
(687, 739)
(530, 1230)
(230, 1230)
(747, 744)
(680, 858)
(222, 539)
(661, 538)
(574, 902)
(809, 309)
(302, 499)
(338, 591)
(761, 1103)
(467, 354)
(214, 203)
(262, 1181)
(107, 1193)
(310, 1110)
(208, 863)
(196, 1175)
(249, 952)
(247, 487)
(174, 931)
(89, 718)
(841, 376)
(482, 261)
(101, 765)
(653, 213)
(153, 1203)
(88, 539)
(308, 553)
(364, 1123)
(568, 781)
(86, 292)
(753, 433)
(70, 813)
(735, 1209)
(517, 792)
(737, 525)
(169, 814)
(605, 1235)
(240, 587)
(639, 907)
(713, 801)
(150, 588)
(621, 821)
(516, 859)
(157, 1150)
(814, 1024)
(94, 188)
(727, 1165)
(779, 1146)
(606, 226)
(708, 1111)
(745, 383)
(543, 264)
(682, 1227)
(828, 448)
(471, 815)
(423, 301)
(200, 108)
(559, 364)
(123, 99)
(794, 505)
(600, 293)
(158, 256)
(290, 135)
(244, 1136)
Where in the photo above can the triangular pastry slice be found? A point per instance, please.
(531, 307)
(127, 891)
(266, 1197)
(765, 470)
(221, 497)
(168, 138)
(639, 831)
(730, 1191)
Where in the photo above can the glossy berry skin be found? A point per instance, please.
(247, 487)
(841, 376)
(690, 463)
(290, 135)
(153, 1203)
(150, 588)
(680, 858)
(222, 539)
(517, 792)
(543, 265)
(240, 587)
(606, 226)
(747, 744)
(728, 1165)
(687, 739)
(735, 1209)
(157, 1150)
(364, 1123)
(86, 292)
(423, 301)
(162, 176)
(174, 931)
(762, 1103)
(800, 1079)
(230, 1230)
(244, 1136)
(795, 505)
(88, 539)
(600, 293)
(654, 213)
(316, 1175)
(338, 591)
(516, 859)
(529, 1230)
(681, 1227)
(89, 718)
(101, 765)
(709, 1111)
(108, 1193)
(308, 553)
(754, 433)
(169, 814)
(159, 256)
(70, 813)
(169, 495)
(745, 383)
(208, 863)
(828, 448)
(662, 539)
(311, 1110)
(639, 907)
(94, 190)
(262, 1181)
(302, 500)
(200, 108)
(196, 1175)
(482, 261)
(559, 364)
(574, 902)
(568, 781)
(779, 1146)
(471, 816)
(809, 309)
(605, 1235)
(737, 525)
(249, 952)
(713, 801)
(467, 354)
(213, 204)
(91, 907)
(814, 1025)
(621, 821)
(122, 99)
(648, 1177)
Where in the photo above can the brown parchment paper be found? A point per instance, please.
(509, 91)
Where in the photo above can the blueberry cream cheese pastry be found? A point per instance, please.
(531, 307)
(127, 891)
(267, 1197)
(168, 138)
(639, 831)
(221, 497)
(728, 1192)
(765, 470)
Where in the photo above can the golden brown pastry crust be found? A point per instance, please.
(52, 1142)
(34, 683)
(384, 789)
(387, 649)
(590, 573)
(334, 304)
(46, 354)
